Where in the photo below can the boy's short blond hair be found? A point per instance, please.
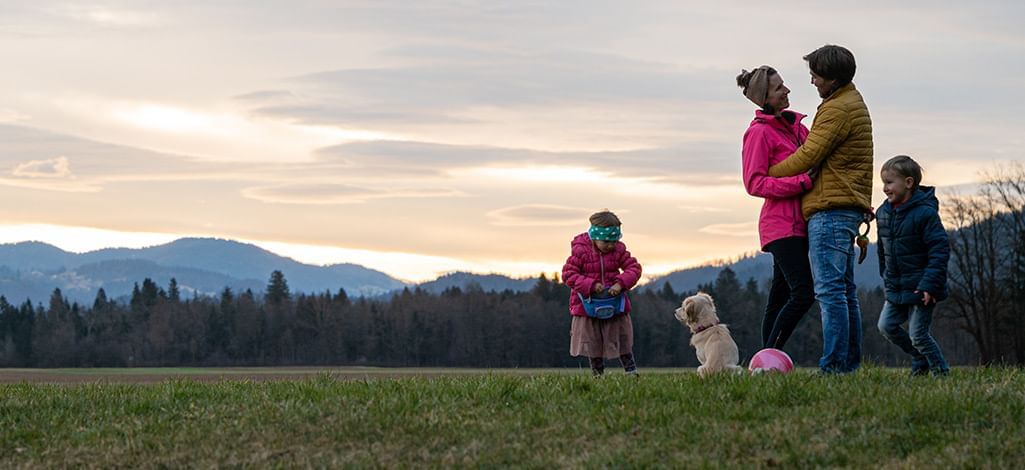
(904, 166)
(605, 218)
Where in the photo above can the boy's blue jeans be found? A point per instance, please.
(831, 248)
(917, 342)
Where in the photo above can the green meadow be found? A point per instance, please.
(539, 418)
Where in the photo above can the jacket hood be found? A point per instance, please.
(581, 242)
(773, 121)
(925, 195)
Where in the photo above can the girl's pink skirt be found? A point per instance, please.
(610, 338)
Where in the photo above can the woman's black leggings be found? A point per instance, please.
(792, 291)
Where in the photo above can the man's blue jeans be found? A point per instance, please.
(831, 249)
(925, 353)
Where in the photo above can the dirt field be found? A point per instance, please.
(256, 374)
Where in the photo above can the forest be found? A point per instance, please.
(457, 328)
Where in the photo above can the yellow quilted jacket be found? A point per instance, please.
(840, 144)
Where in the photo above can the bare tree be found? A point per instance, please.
(1008, 185)
(977, 269)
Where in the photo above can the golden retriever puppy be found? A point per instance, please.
(716, 350)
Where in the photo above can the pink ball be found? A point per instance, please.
(770, 360)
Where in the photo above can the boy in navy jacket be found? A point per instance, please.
(913, 256)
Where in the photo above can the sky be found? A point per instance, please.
(420, 138)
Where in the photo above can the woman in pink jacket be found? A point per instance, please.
(599, 264)
(774, 134)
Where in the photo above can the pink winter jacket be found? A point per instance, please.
(585, 266)
(768, 141)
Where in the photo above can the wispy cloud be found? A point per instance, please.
(332, 194)
(52, 174)
(53, 168)
(20, 145)
(700, 163)
(64, 186)
(438, 78)
(571, 99)
(215, 132)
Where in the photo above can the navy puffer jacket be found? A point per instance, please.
(913, 248)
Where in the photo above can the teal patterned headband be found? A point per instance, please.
(608, 234)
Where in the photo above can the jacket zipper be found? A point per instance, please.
(790, 129)
(797, 138)
(893, 236)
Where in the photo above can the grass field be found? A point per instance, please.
(877, 417)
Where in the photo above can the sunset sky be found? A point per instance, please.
(424, 137)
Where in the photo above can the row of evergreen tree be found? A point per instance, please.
(457, 328)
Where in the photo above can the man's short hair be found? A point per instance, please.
(832, 63)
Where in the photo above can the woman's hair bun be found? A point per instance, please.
(744, 78)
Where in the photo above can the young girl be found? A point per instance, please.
(913, 255)
(598, 264)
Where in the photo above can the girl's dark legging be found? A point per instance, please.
(792, 292)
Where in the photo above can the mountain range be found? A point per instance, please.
(205, 266)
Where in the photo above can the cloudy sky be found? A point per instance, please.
(424, 137)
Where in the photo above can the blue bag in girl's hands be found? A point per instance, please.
(603, 307)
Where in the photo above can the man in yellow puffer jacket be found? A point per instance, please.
(838, 153)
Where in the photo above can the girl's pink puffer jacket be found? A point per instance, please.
(585, 266)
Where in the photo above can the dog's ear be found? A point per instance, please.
(708, 298)
(690, 309)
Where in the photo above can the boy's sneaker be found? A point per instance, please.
(919, 366)
(633, 373)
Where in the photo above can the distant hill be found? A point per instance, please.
(117, 278)
(759, 266)
(202, 265)
(487, 282)
(35, 255)
(247, 261)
